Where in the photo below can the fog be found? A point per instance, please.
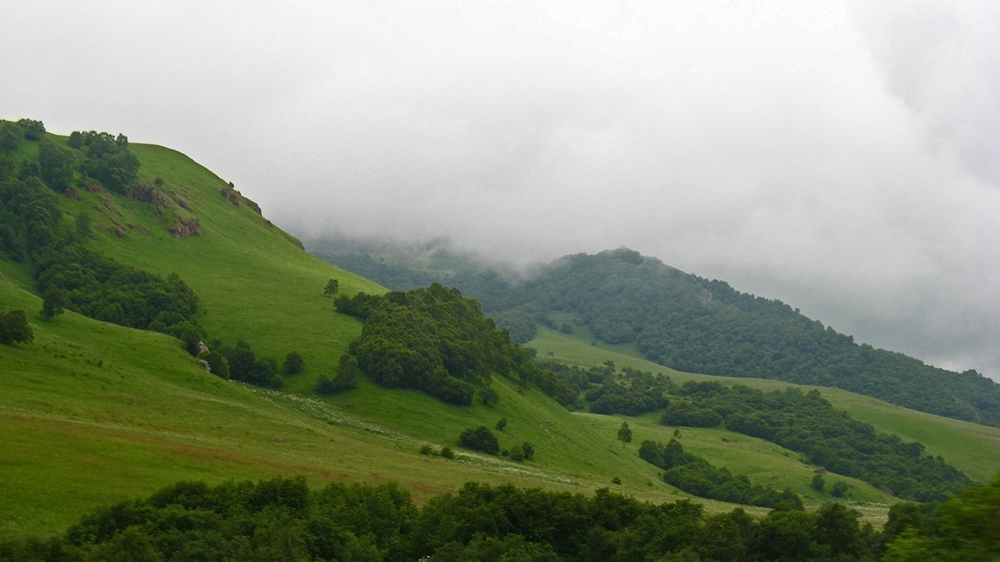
(839, 156)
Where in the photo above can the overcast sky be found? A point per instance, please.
(839, 156)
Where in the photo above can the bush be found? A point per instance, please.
(480, 439)
(501, 423)
(839, 489)
(14, 327)
(818, 483)
(447, 453)
(217, 364)
(293, 364)
(426, 450)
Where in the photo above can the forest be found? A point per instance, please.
(437, 341)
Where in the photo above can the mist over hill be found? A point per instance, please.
(691, 324)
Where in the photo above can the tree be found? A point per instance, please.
(480, 439)
(332, 286)
(293, 364)
(14, 327)
(84, 224)
(625, 434)
(839, 489)
(53, 302)
(818, 483)
(33, 130)
(501, 423)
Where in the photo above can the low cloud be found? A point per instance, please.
(838, 156)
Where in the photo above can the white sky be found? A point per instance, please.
(840, 156)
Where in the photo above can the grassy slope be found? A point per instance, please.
(973, 448)
(94, 412)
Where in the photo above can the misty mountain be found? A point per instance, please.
(698, 325)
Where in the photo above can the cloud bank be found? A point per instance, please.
(840, 156)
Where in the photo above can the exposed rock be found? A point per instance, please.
(886, 490)
(187, 226)
(71, 193)
(109, 205)
(205, 365)
(93, 186)
(253, 206)
(231, 195)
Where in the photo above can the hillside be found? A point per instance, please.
(692, 324)
(93, 412)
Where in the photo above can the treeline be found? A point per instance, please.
(701, 326)
(282, 519)
(808, 424)
(698, 477)
(437, 341)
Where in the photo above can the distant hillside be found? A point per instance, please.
(692, 324)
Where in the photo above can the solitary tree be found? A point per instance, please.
(14, 327)
(53, 302)
(625, 434)
(818, 483)
(332, 286)
(293, 364)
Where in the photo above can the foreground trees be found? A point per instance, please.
(282, 519)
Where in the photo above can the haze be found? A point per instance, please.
(838, 156)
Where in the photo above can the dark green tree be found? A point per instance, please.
(14, 327)
(56, 166)
(293, 364)
(33, 130)
(332, 286)
(480, 439)
(839, 489)
(818, 483)
(625, 434)
(53, 301)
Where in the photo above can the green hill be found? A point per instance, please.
(92, 412)
(693, 324)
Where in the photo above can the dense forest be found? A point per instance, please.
(696, 325)
(438, 341)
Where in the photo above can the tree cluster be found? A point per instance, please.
(808, 424)
(698, 477)
(246, 366)
(282, 519)
(434, 340)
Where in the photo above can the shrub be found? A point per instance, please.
(501, 423)
(447, 453)
(480, 439)
(839, 489)
(14, 327)
(293, 364)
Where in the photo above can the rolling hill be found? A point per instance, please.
(92, 412)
